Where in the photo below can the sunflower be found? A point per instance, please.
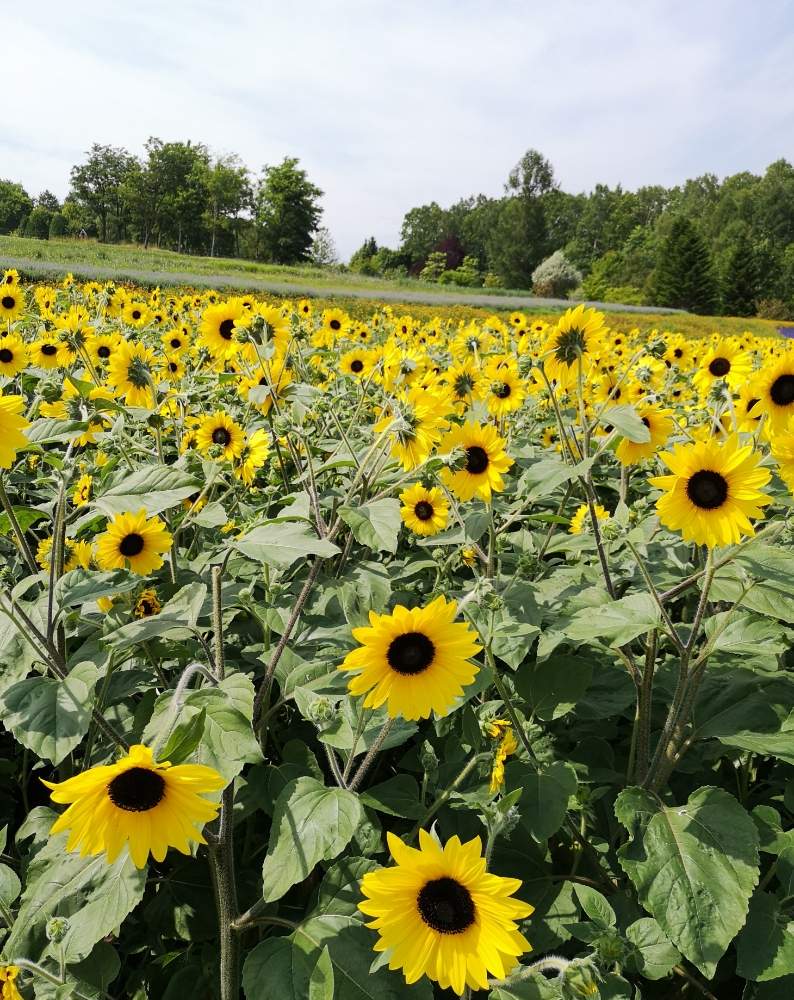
(175, 341)
(102, 347)
(424, 511)
(148, 604)
(46, 352)
(414, 426)
(10, 277)
(582, 514)
(508, 744)
(147, 805)
(12, 302)
(725, 361)
(783, 454)
(416, 661)
(747, 413)
(131, 372)
(304, 308)
(253, 456)
(438, 913)
(713, 491)
(8, 989)
(485, 461)
(76, 554)
(132, 541)
(219, 435)
(136, 314)
(172, 369)
(218, 327)
(502, 389)
(12, 429)
(82, 491)
(356, 362)
(463, 379)
(267, 384)
(334, 324)
(577, 335)
(13, 355)
(776, 393)
(660, 427)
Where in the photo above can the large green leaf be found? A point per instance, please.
(93, 895)
(311, 823)
(765, 949)
(375, 524)
(551, 688)
(281, 544)
(655, 955)
(154, 488)
(694, 867)
(627, 422)
(50, 716)
(616, 623)
(228, 742)
(545, 795)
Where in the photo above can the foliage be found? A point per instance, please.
(555, 276)
(684, 276)
(287, 212)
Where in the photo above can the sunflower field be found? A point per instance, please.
(391, 657)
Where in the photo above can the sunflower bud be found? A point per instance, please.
(428, 758)
(56, 929)
(321, 710)
(580, 979)
(50, 390)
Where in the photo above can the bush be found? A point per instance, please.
(774, 309)
(435, 266)
(555, 276)
(492, 280)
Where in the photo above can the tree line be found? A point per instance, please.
(179, 197)
(708, 245)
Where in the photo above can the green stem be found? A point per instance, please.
(19, 534)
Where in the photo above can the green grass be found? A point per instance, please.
(92, 253)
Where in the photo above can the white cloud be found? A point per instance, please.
(393, 105)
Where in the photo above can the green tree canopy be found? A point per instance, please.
(287, 212)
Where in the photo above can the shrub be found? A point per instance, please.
(555, 276)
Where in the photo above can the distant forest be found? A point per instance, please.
(709, 245)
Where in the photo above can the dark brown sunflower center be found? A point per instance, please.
(678, 352)
(720, 367)
(131, 545)
(782, 390)
(137, 789)
(6, 356)
(335, 324)
(147, 608)
(647, 422)
(410, 653)
(103, 352)
(356, 366)
(446, 906)
(476, 460)
(221, 436)
(49, 350)
(707, 490)
(750, 404)
(9, 302)
(423, 510)
(226, 329)
(501, 390)
(176, 342)
(136, 314)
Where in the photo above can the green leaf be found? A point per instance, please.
(512, 641)
(49, 431)
(743, 634)
(26, 517)
(535, 987)
(765, 948)
(154, 488)
(552, 687)
(397, 796)
(277, 970)
(81, 586)
(10, 886)
(184, 739)
(694, 867)
(279, 544)
(544, 797)
(627, 422)
(595, 905)
(311, 823)
(340, 891)
(616, 623)
(321, 982)
(50, 716)
(93, 895)
(228, 742)
(655, 956)
(376, 524)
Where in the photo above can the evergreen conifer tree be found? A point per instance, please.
(740, 283)
(685, 277)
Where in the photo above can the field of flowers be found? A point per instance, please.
(391, 656)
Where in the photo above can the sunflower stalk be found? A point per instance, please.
(372, 753)
(19, 534)
(221, 850)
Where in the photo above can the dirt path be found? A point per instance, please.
(246, 283)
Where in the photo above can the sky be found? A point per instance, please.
(392, 105)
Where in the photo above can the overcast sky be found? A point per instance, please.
(390, 105)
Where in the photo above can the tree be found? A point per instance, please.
(323, 250)
(287, 212)
(362, 260)
(684, 276)
(423, 228)
(48, 201)
(15, 206)
(98, 185)
(228, 187)
(740, 282)
(37, 224)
